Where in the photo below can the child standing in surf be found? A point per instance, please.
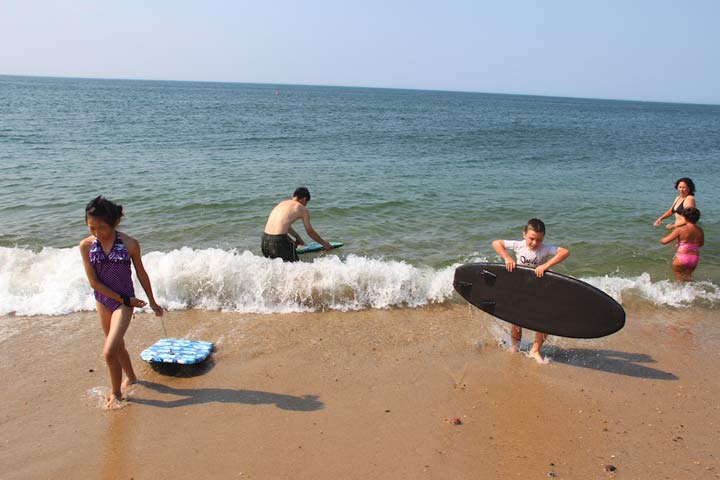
(530, 252)
(107, 255)
(689, 238)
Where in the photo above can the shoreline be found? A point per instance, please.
(401, 393)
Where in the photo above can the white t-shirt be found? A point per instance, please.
(530, 258)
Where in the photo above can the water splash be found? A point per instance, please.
(52, 282)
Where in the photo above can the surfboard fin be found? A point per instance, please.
(487, 305)
(463, 287)
(489, 276)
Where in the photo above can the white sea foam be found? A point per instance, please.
(49, 282)
(662, 292)
(217, 279)
(97, 396)
(52, 282)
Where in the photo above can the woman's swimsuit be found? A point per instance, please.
(688, 254)
(113, 270)
(680, 208)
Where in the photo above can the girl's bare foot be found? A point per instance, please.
(128, 382)
(114, 403)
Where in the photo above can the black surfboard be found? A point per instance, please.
(554, 304)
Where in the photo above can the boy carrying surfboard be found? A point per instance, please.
(530, 252)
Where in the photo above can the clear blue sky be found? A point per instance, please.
(658, 50)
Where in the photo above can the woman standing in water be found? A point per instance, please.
(684, 200)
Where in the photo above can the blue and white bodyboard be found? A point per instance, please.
(172, 350)
(316, 247)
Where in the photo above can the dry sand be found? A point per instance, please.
(384, 394)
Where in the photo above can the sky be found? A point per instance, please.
(653, 50)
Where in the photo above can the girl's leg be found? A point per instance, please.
(682, 272)
(115, 325)
(677, 269)
(127, 367)
(537, 345)
(515, 336)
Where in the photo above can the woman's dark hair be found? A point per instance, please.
(536, 225)
(691, 214)
(688, 182)
(302, 192)
(102, 208)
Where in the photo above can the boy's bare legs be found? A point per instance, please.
(515, 336)
(116, 356)
(537, 345)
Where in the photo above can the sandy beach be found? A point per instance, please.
(381, 394)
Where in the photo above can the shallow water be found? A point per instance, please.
(414, 182)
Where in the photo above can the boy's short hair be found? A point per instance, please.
(691, 214)
(688, 182)
(536, 225)
(301, 193)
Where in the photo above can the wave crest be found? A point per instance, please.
(219, 280)
(52, 282)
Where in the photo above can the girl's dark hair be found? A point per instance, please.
(688, 182)
(302, 192)
(691, 214)
(102, 208)
(536, 225)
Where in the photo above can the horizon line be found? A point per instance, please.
(439, 90)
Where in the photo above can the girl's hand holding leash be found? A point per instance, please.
(157, 309)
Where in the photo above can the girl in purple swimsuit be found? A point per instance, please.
(690, 238)
(107, 255)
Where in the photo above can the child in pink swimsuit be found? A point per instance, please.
(107, 255)
(690, 238)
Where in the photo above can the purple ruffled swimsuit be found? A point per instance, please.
(113, 270)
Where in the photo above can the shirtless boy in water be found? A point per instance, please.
(276, 239)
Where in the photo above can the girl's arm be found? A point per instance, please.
(133, 247)
(562, 254)
(499, 247)
(670, 237)
(92, 277)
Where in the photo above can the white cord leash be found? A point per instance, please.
(162, 322)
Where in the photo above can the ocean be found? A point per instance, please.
(414, 182)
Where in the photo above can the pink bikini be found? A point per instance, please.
(688, 254)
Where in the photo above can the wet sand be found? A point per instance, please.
(382, 394)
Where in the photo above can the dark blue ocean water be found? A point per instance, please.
(408, 179)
